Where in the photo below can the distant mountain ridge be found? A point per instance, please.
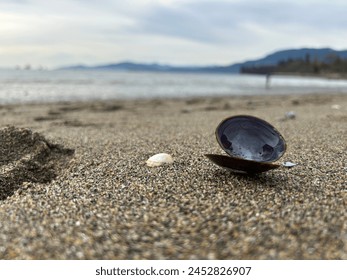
(131, 66)
(320, 55)
(315, 54)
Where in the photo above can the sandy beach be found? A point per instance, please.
(75, 185)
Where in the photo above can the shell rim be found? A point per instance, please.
(252, 168)
(257, 119)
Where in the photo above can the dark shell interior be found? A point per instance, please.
(250, 138)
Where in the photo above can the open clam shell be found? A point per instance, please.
(251, 143)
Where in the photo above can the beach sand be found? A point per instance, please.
(74, 183)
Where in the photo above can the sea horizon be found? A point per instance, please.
(41, 86)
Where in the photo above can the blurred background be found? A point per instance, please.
(83, 50)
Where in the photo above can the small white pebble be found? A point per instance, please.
(159, 159)
(336, 107)
(290, 115)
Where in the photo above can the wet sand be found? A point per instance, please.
(74, 183)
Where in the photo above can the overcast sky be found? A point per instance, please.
(180, 32)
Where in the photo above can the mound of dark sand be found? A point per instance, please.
(26, 156)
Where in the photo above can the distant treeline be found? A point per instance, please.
(332, 64)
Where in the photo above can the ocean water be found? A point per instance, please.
(20, 86)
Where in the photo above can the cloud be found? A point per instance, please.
(229, 21)
(69, 22)
(185, 31)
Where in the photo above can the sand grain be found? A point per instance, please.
(107, 204)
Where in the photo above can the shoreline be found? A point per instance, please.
(270, 94)
(75, 184)
(329, 76)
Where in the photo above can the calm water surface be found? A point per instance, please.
(19, 86)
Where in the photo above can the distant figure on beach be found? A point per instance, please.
(267, 83)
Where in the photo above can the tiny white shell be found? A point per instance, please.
(159, 159)
(289, 164)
